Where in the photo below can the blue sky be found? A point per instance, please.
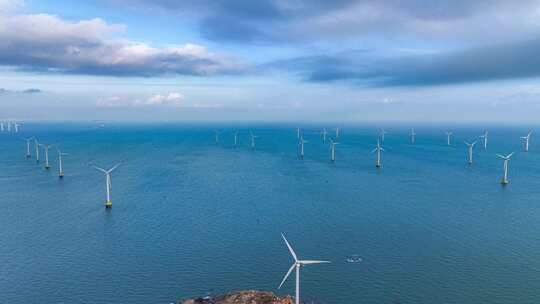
(270, 60)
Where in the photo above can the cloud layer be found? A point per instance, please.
(48, 43)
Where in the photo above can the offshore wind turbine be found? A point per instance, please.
(526, 141)
(324, 133)
(298, 131)
(378, 149)
(16, 126)
(301, 143)
(9, 126)
(235, 139)
(296, 266)
(333, 149)
(36, 145)
(506, 158)
(448, 138)
(108, 202)
(337, 132)
(253, 137)
(1, 126)
(485, 138)
(413, 136)
(28, 140)
(216, 136)
(382, 132)
(46, 148)
(60, 164)
(470, 151)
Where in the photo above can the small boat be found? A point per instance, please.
(355, 258)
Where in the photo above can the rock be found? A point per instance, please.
(243, 297)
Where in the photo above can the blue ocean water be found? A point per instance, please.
(191, 217)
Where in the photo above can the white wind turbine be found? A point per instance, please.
(46, 148)
(382, 132)
(485, 138)
(449, 138)
(506, 158)
(108, 202)
(298, 131)
(9, 126)
(526, 141)
(324, 133)
(337, 133)
(301, 143)
(60, 164)
(216, 136)
(470, 151)
(28, 140)
(16, 125)
(378, 149)
(36, 145)
(236, 138)
(413, 136)
(253, 137)
(296, 266)
(1, 126)
(333, 149)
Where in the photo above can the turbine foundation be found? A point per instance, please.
(108, 204)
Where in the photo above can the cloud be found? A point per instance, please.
(172, 99)
(312, 20)
(26, 91)
(371, 68)
(47, 43)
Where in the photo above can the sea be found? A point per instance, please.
(192, 217)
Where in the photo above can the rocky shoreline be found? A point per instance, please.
(242, 297)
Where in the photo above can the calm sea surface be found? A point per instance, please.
(192, 218)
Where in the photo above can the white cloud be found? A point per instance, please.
(46, 42)
(172, 99)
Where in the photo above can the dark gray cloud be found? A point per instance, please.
(48, 43)
(495, 62)
(301, 20)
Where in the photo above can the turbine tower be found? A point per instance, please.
(60, 164)
(337, 133)
(506, 158)
(36, 145)
(298, 131)
(253, 137)
(108, 202)
(413, 136)
(28, 140)
(449, 138)
(333, 149)
(470, 151)
(1, 126)
(526, 141)
(378, 149)
(46, 148)
(324, 133)
(296, 266)
(216, 136)
(9, 126)
(235, 139)
(301, 143)
(16, 126)
(485, 138)
(382, 132)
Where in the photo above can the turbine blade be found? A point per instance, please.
(373, 151)
(112, 169)
(500, 156)
(290, 248)
(287, 275)
(309, 262)
(509, 155)
(100, 169)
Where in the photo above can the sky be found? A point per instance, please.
(271, 60)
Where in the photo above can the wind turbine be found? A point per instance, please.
(108, 202)
(333, 149)
(253, 137)
(46, 147)
(16, 125)
(382, 132)
(526, 141)
(296, 266)
(9, 126)
(298, 131)
(485, 138)
(216, 134)
(470, 151)
(449, 138)
(1, 126)
(324, 133)
(36, 145)
(337, 133)
(506, 158)
(60, 165)
(28, 140)
(301, 143)
(413, 136)
(378, 149)
(235, 138)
